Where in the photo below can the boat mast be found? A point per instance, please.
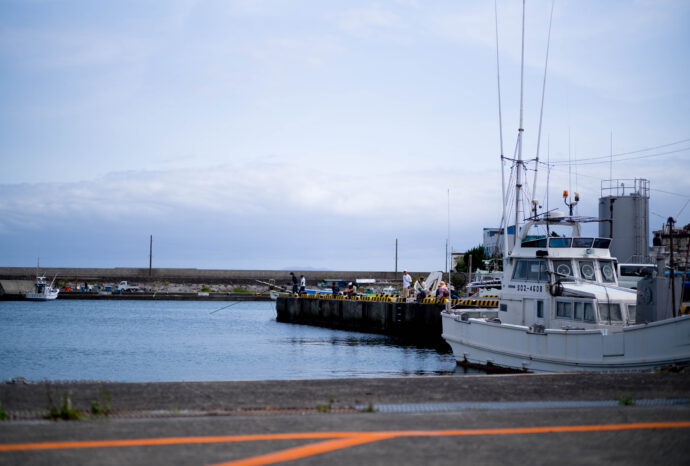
(500, 134)
(518, 175)
(541, 111)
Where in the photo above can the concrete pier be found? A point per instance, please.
(414, 321)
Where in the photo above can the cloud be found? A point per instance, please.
(593, 45)
(264, 215)
(374, 22)
(41, 48)
(242, 190)
(259, 215)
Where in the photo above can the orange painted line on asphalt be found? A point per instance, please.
(364, 437)
(370, 436)
(307, 450)
(171, 441)
(538, 430)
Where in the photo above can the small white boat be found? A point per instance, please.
(484, 281)
(43, 291)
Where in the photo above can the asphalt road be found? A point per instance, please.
(523, 419)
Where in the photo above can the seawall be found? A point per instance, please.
(191, 275)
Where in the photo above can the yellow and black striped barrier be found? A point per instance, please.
(483, 302)
(476, 302)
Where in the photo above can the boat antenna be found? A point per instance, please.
(448, 251)
(500, 135)
(611, 157)
(449, 258)
(576, 178)
(521, 130)
(570, 169)
(543, 92)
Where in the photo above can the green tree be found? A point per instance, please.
(478, 256)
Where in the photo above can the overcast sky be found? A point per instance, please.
(291, 134)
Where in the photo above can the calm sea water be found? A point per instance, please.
(139, 341)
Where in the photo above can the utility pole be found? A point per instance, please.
(150, 253)
(671, 222)
(396, 255)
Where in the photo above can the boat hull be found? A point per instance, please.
(42, 296)
(480, 342)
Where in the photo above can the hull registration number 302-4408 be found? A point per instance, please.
(532, 288)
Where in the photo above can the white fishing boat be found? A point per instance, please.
(43, 291)
(484, 282)
(560, 306)
(561, 309)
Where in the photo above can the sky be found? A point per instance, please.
(274, 134)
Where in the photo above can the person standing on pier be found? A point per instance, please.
(421, 289)
(407, 282)
(302, 285)
(294, 283)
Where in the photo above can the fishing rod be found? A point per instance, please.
(224, 307)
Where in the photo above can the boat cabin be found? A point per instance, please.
(566, 282)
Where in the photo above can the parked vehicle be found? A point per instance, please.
(123, 287)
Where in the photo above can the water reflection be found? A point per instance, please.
(370, 340)
(133, 341)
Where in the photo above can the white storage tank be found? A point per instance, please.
(626, 203)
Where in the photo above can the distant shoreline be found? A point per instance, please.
(175, 284)
(139, 296)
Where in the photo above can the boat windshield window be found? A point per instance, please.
(564, 269)
(578, 311)
(560, 242)
(587, 270)
(532, 270)
(534, 243)
(636, 270)
(582, 242)
(564, 309)
(632, 312)
(602, 243)
(607, 271)
(610, 312)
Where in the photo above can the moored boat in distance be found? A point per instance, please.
(484, 282)
(43, 291)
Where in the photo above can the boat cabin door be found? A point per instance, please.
(532, 311)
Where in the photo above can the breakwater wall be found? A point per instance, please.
(191, 275)
(413, 321)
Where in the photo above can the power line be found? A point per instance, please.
(669, 192)
(686, 196)
(608, 157)
(584, 162)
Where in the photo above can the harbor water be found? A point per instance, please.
(150, 341)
